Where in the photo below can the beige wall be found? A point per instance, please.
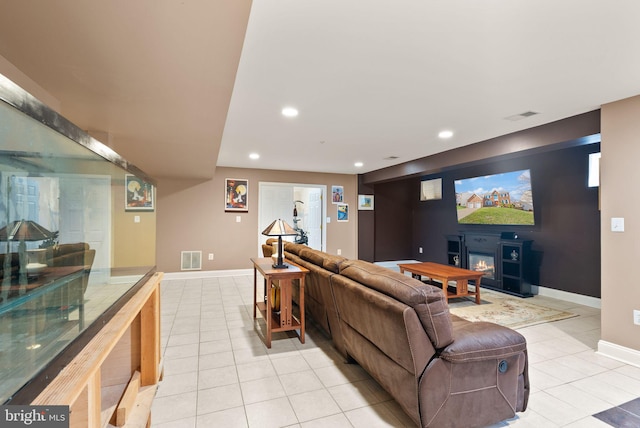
(134, 243)
(620, 176)
(191, 217)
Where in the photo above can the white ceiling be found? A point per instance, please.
(371, 79)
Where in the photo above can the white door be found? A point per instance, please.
(276, 200)
(314, 222)
(85, 216)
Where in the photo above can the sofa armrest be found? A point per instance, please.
(476, 341)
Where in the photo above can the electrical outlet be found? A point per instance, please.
(339, 252)
(210, 256)
(420, 250)
(136, 219)
(636, 317)
(238, 219)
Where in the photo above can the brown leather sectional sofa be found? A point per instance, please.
(76, 254)
(443, 371)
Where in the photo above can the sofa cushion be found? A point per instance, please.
(314, 256)
(62, 249)
(332, 263)
(483, 341)
(427, 300)
(293, 248)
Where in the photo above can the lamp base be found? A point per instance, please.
(279, 262)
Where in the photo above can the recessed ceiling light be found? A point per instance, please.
(358, 164)
(290, 112)
(445, 134)
(254, 156)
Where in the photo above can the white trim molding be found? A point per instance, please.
(593, 302)
(207, 274)
(620, 353)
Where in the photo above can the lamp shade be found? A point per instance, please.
(279, 228)
(24, 230)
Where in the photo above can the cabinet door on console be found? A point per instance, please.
(516, 263)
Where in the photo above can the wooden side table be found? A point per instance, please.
(285, 320)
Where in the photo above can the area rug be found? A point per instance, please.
(509, 311)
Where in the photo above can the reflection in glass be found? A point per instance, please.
(68, 250)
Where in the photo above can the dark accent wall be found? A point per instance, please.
(567, 231)
(394, 226)
(566, 237)
(366, 226)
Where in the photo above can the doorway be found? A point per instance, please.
(277, 200)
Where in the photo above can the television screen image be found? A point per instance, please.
(504, 199)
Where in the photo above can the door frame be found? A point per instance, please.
(323, 214)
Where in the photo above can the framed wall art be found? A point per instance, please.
(236, 195)
(337, 194)
(139, 195)
(343, 212)
(365, 202)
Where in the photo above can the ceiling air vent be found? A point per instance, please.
(521, 116)
(391, 158)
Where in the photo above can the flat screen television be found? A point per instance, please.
(502, 199)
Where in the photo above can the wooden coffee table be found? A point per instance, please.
(444, 274)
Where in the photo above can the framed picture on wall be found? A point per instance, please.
(337, 194)
(139, 195)
(236, 193)
(365, 202)
(343, 212)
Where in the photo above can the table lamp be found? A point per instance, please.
(279, 228)
(26, 230)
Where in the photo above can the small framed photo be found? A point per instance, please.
(139, 195)
(236, 195)
(343, 212)
(365, 202)
(337, 194)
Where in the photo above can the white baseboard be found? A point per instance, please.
(620, 353)
(393, 264)
(593, 302)
(207, 274)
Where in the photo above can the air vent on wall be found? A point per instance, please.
(521, 116)
(191, 260)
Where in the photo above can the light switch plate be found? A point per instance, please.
(617, 224)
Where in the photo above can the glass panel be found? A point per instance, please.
(482, 263)
(70, 246)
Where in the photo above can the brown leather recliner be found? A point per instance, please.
(442, 370)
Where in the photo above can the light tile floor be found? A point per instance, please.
(218, 373)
